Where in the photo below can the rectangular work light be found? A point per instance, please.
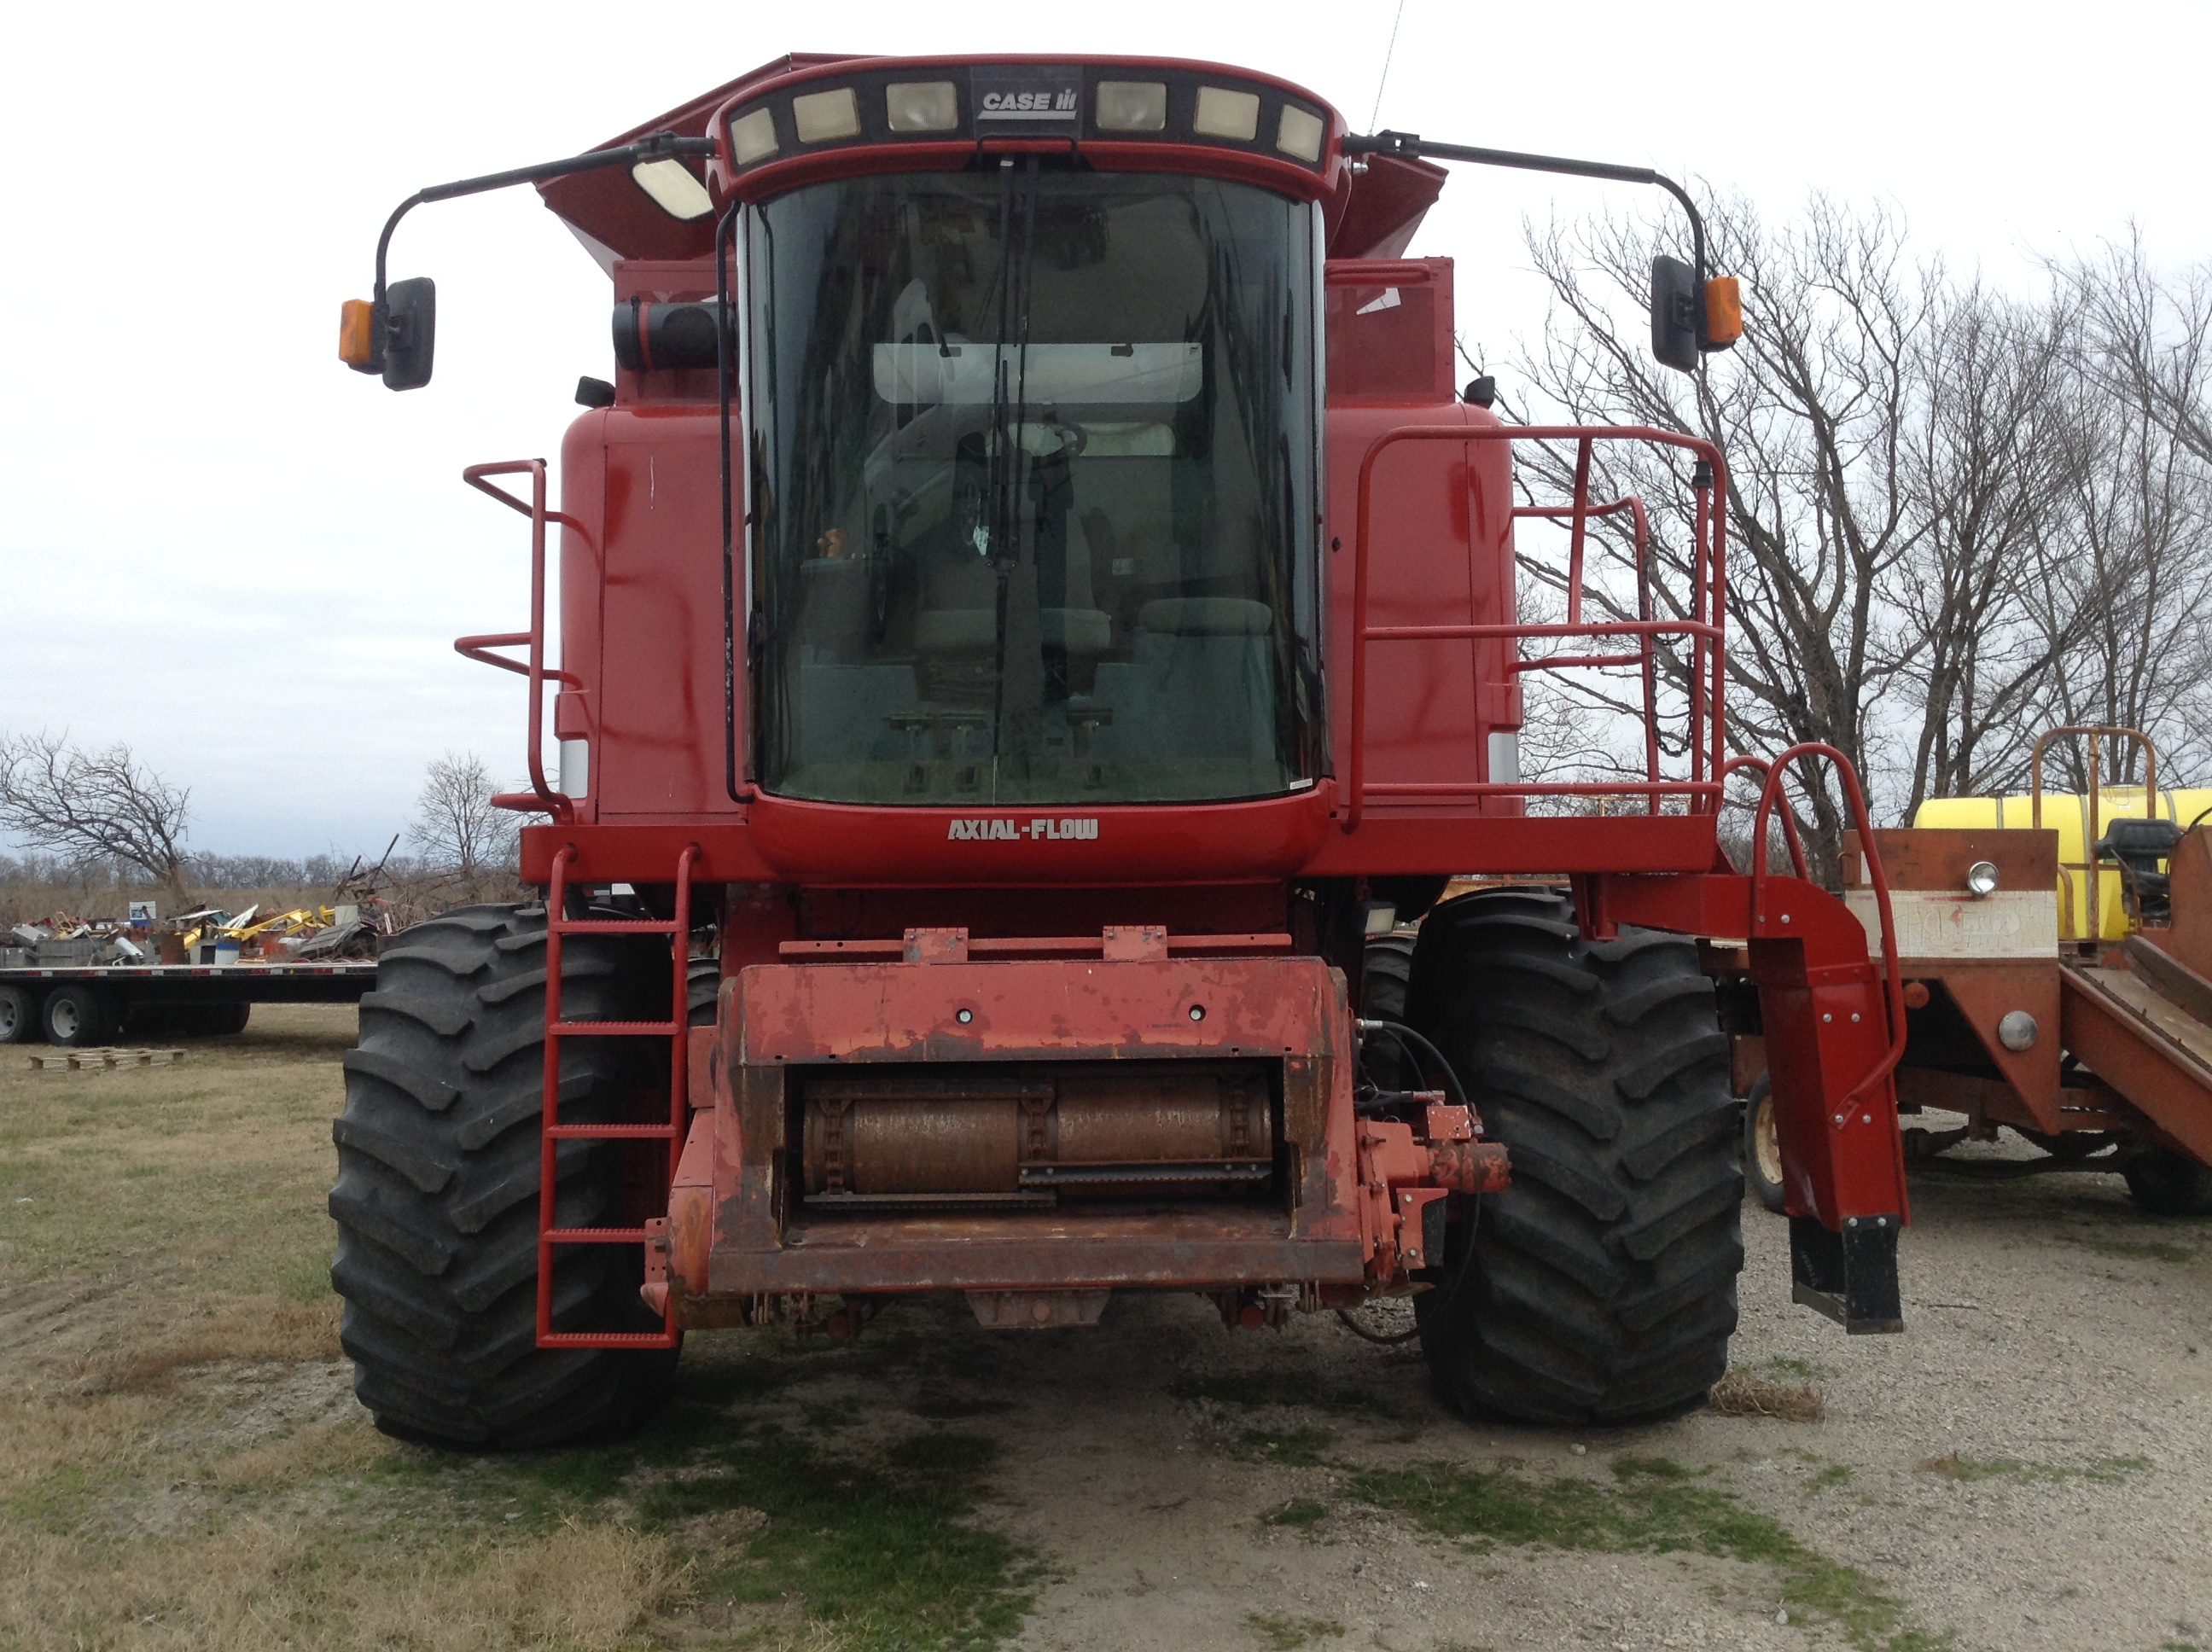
(1133, 106)
(922, 106)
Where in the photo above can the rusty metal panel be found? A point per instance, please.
(982, 1011)
(1194, 1247)
(2154, 1054)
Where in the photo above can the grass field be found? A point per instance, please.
(182, 1463)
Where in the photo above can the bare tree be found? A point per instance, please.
(1945, 534)
(1992, 460)
(2132, 564)
(1814, 413)
(94, 805)
(2148, 339)
(456, 828)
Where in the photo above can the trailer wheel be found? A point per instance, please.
(1762, 1145)
(437, 1194)
(1601, 1286)
(223, 1020)
(78, 1017)
(19, 1014)
(2168, 1183)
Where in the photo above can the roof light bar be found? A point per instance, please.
(1066, 102)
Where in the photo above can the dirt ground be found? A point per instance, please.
(182, 1464)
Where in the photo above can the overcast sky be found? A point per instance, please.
(219, 545)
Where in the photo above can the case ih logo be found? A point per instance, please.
(1004, 829)
(1026, 100)
(1008, 106)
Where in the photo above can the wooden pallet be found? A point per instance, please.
(91, 1060)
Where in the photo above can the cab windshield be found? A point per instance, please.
(1031, 462)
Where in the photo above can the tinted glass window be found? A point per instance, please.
(1032, 489)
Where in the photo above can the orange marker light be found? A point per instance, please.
(357, 334)
(1723, 312)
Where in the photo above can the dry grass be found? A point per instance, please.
(261, 1582)
(181, 1464)
(1739, 1394)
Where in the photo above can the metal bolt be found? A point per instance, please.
(964, 1016)
(1851, 1221)
(1839, 1118)
(1785, 917)
(1197, 1013)
(1866, 1118)
(1827, 1016)
(1855, 1015)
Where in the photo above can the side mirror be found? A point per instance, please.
(1675, 302)
(410, 333)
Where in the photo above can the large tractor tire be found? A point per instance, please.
(437, 1196)
(1601, 1286)
(1385, 969)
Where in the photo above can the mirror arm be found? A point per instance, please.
(1412, 146)
(660, 147)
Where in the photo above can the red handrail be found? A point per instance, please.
(1707, 634)
(1788, 818)
(559, 804)
(1769, 794)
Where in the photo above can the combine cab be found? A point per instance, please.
(1033, 606)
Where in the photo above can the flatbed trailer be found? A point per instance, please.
(88, 1004)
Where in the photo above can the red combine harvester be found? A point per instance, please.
(1032, 606)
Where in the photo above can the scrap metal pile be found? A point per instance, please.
(353, 924)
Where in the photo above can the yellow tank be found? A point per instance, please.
(2068, 813)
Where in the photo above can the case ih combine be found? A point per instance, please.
(1032, 606)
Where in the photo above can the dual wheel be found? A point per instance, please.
(79, 1016)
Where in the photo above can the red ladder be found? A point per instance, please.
(676, 1030)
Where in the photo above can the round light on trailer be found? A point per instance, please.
(674, 188)
(1133, 106)
(2017, 1031)
(1982, 878)
(922, 106)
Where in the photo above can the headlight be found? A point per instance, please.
(1982, 878)
(922, 106)
(674, 190)
(821, 116)
(1133, 106)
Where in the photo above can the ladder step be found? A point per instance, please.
(612, 1132)
(613, 926)
(614, 1029)
(607, 1339)
(593, 1235)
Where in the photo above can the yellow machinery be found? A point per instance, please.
(2090, 893)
